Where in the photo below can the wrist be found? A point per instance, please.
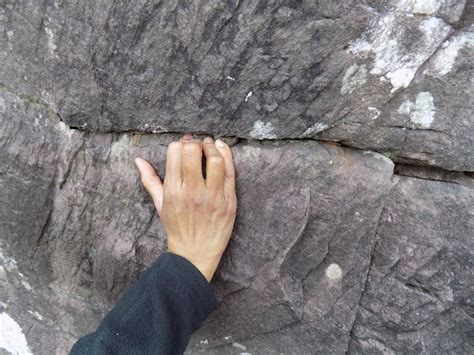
(206, 268)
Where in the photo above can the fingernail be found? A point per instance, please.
(208, 140)
(137, 162)
(187, 137)
(220, 144)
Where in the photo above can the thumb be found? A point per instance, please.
(151, 181)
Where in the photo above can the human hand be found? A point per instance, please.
(198, 214)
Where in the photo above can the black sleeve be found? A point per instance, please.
(157, 315)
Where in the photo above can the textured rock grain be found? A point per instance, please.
(84, 84)
(419, 292)
(335, 70)
(95, 229)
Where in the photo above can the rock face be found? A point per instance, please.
(394, 77)
(335, 249)
(420, 284)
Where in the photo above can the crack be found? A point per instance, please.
(69, 165)
(40, 27)
(342, 143)
(369, 267)
(431, 173)
(422, 67)
(43, 229)
(51, 210)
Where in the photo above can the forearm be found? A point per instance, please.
(157, 314)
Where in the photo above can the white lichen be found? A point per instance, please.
(422, 112)
(374, 112)
(420, 7)
(10, 35)
(405, 108)
(229, 78)
(65, 129)
(443, 62)
(262, 130)
(316, 128)
(334, 272)
(12, 338)
(354, 77)
(385, 37)
(51, 41)
(9, 264)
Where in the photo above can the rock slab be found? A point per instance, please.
(79, 228)
(419, 293)
(390, 76)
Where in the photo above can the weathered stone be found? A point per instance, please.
(297, 261)
(394, 77)
(418, 297)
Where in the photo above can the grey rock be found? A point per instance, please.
(328, 70)
(418, 297)
(85, 87)
(80, 229)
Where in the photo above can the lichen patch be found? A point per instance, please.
(334, 272)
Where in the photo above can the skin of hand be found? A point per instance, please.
(198, 214)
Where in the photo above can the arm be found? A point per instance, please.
(173, 297)
(157, 315)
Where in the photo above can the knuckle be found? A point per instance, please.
(171, 194)
(191, 148)
(195, 199)
(216, 161)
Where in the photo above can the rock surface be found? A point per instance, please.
(83, 85)
(82, 228)
(419, 291)
(390, 76)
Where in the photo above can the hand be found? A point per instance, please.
(198, 214)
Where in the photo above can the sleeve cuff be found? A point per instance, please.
(184, 272)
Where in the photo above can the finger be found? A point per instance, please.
(229, 170)
(151, 181)
(174, 166)
(186, 137)
(214, 166)
(192, 165)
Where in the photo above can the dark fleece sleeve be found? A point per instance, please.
(157, 315)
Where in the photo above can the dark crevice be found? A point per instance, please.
(341, 143)
(70, 164)
(236, 138)
(434, 174)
